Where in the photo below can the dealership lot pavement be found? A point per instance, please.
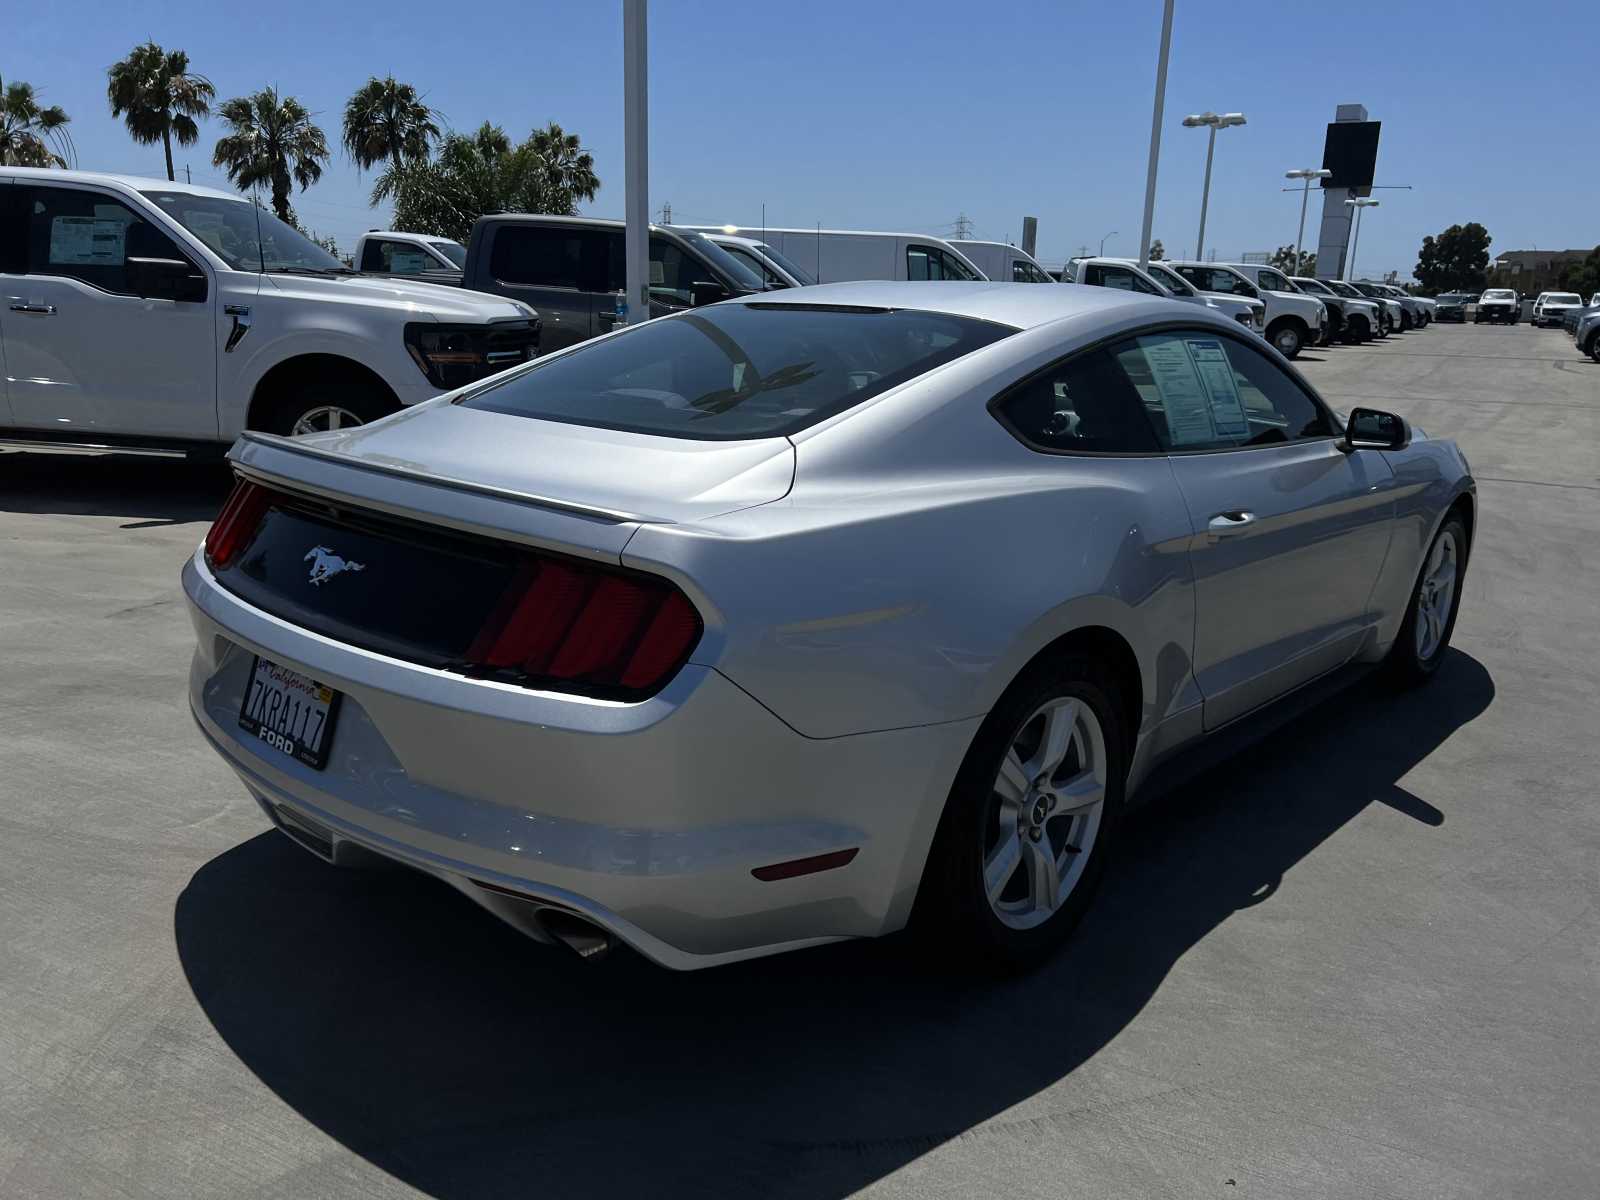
(1361, 960)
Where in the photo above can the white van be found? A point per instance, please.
(1002, 261)
(838, 255)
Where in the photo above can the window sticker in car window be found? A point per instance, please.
(407, 261)
(1183, 397)
(87, 241)
(1227, 410)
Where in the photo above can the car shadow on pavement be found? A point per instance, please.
(146, 491)
(468, 1062)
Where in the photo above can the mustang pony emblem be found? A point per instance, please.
(325, 564)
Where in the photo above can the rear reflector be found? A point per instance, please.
(240, 517)
(805, 866)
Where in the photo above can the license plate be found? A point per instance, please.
(289, 712)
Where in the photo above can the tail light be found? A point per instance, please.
(240, 516)
(567, 625)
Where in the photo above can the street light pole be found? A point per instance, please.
(1215, 122)
(1155, 137)
(636, 142)
(1307, 174)
(1355, 235)
(1113, 233)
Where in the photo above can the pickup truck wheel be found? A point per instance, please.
(1286, 338)
(325, 407)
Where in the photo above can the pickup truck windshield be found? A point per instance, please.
(245, 237)
(731, 371)
(1562, 298)
(454, 251)
(1499, 294)
(788, 264)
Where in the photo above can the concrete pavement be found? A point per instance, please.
(1361, 960)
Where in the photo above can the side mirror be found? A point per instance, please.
(167, 279)
(705, 292)
(1370, 429)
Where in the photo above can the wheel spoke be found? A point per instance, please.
(1044, 879)
(1012, 784)
(1060, 723)
(1081, 793)
(1001, 864)
(333, 418)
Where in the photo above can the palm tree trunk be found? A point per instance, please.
(166, 140)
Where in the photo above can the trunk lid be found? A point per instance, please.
(628, 476)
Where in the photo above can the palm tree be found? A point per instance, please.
(273, 139)
(388, 120)
(27, 131)
(158, 97)
(565, 169)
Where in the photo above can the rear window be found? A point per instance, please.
(731, 371)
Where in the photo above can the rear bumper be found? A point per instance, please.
(646, 818)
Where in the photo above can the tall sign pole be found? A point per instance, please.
(636, 144)
(1155, 138)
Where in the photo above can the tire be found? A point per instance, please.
(317, 404)
(1594, 346)
(1431, 616)
(1079, 701)
(1406, 323)
(1287, 338)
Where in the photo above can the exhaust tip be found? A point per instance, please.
(584, 938)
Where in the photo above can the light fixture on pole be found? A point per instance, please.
(1307, 174)
(1214, 122)
(1355, 237)
(1155, 136)
(1112, 234)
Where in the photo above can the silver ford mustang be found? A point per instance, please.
(787, 619)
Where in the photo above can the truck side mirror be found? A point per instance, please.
(706, 292)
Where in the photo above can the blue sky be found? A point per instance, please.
(857, 115)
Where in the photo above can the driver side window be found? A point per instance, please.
(89, 236)
(1208, 392)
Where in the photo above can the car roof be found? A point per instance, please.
(138, 183)
(1021, 305)
(405, 235)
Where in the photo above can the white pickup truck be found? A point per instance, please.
(1294, 320)
(412, 255)
(139, 315)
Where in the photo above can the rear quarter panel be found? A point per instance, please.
(924, 556)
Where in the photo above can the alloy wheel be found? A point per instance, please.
(1045, 812)
(323, 418)
(1437, 595)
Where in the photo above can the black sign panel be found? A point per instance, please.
(1351, 153)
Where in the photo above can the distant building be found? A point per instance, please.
(1532, 271)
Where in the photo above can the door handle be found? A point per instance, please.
(45, 310)
(1226, 524)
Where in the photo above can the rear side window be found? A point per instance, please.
(1086, 405)
(88, 236)
(1120, 278)
(732, 371)
(537, 256)
(1206, 392)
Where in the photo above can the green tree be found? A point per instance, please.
(485, 173)
(273, 141)
(1584, 277)
(30, 134)
(1455, 261)
(386, 121)
(158, 98)
(1283, 258)
(1157, 251)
